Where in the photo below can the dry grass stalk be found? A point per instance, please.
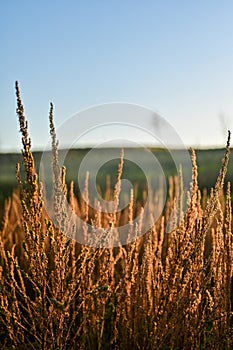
(164, 290)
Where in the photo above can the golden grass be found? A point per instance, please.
(161, 291)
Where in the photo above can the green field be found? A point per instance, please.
(209, 162)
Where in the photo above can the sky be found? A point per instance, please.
(174, 57)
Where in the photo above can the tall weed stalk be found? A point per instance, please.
(161, 291)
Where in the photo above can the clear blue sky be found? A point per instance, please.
(173, 56)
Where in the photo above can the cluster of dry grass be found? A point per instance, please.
(161, 291)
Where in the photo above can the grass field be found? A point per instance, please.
(209, 162)
(163, 289)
